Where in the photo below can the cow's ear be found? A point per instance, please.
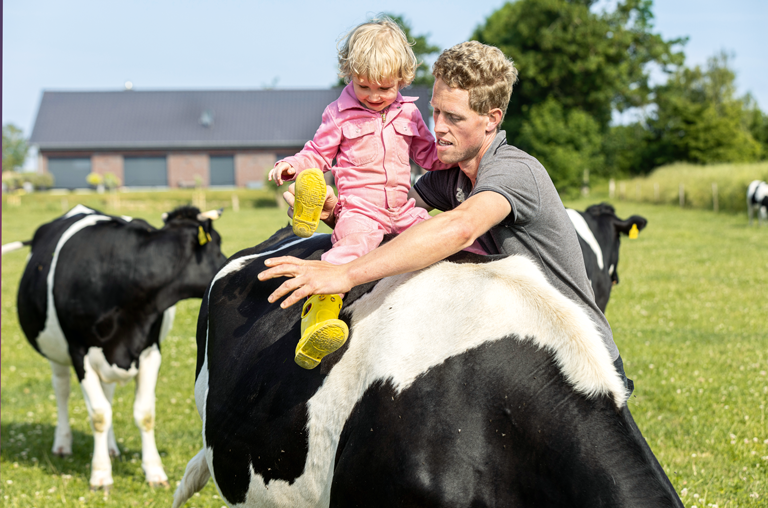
(625, 226)
(164, 217)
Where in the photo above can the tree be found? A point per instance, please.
(421, 48)
(565, 142)
(15, 148)
(591, 61)
(698, 117)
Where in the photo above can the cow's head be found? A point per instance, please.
(608, 228)
(199, 245)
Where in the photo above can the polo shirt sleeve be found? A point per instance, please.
(515, 180)
(437, 188)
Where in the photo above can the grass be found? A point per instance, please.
(663, 185)
(689, 317)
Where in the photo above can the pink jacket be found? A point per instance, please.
(371, 155)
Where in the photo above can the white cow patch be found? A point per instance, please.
(468, 305)
(582, 229)
(51, 340)
(79, 209)
(108, 372)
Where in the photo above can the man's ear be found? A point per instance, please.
(494, 119)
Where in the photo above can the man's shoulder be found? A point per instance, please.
(511, 154)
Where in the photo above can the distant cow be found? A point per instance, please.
(464, 384)
(599, 233)
(757, 198)
(98, 293)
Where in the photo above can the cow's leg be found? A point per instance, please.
(144, 415)
(100, 411)
(62, 440)
(109, 392)
(750, 209)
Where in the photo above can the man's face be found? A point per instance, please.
(460, 131)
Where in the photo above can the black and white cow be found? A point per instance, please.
(599, 233)
(98, 293)
(757, 200)
(470, 383)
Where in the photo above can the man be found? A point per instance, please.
(498, 198)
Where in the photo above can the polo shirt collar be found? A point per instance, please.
(499, 141)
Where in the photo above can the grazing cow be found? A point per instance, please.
(757, 198)
(98, 293)
(599, 231)
(470, 383)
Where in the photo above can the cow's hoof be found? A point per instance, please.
(162, 484)
(114, 453)
(62, 451)
(102, 488)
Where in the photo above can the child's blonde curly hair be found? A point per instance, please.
(377, 50)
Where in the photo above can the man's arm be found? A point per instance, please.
(419, 202)
(414, 249)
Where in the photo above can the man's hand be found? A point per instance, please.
(307, 278)
(281, 172)
(330, 203)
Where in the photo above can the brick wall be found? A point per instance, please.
(183, 168)
(252, 168)
(108, 163)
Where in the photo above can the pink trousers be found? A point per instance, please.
(360, 227)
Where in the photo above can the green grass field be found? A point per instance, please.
(690, 317)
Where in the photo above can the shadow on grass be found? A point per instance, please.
(29, 446)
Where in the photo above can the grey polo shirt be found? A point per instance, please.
(538, 226)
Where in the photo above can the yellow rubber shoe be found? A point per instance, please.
(310, 197)
(322, 332)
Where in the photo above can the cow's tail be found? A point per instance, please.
(195, 478)
(10, 247)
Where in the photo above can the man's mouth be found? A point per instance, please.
(444, 143)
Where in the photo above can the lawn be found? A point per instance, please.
(689, 316)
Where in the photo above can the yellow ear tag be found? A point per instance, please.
(633, 232)
(202, 236)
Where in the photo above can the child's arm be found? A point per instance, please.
(424, 147)
(317, 153)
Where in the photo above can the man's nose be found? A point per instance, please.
(439, 123)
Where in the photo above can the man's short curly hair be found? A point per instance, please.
(377, 50)
(481, 70)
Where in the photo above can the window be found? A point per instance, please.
(145, 172)
(69, 173)
(222, 170)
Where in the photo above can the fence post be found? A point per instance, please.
(235, 203)
(585, 183)
(714, 197)
(682, 195)
(611, 188)
(656, 192)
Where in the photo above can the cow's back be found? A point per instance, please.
(32, 293)
(450, 391)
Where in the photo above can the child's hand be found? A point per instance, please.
(326, 215)
(281, 172)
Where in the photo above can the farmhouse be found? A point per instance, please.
(178, 138)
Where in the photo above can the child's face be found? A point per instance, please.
(375, 96)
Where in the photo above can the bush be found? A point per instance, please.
(732, 181)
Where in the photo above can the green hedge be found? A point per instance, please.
(662, 186)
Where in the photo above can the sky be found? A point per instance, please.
(233, 44)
